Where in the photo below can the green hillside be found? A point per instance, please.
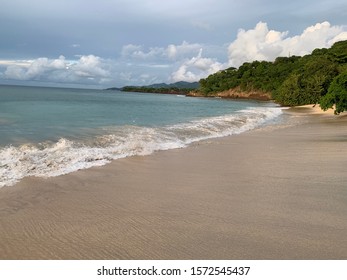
(320, 77)
(175, 88)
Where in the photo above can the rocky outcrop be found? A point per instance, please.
(236, 93)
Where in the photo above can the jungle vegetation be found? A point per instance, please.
(320, 77)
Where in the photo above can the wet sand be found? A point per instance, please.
(272, 193)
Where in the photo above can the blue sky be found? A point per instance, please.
(125, 42)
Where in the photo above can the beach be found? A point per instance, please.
(275, 192)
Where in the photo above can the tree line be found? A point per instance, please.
(320, 77)
(163, 90)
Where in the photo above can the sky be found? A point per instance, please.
(114, 43)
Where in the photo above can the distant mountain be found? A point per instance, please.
(177, 85)
(113, 88)
(180, 85)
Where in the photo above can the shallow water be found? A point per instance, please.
(54, 131)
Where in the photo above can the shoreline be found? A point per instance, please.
(236, 94)
(271, 193)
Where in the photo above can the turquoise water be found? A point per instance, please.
(53, 131)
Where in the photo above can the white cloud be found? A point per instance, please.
(14, 72)
(58, 70)
(172, 52)
(37, 68)
(145, 63)
(196, 68)
(127, 50)
(183, 50)
(340, 37)
(89, 66)
(138, 52)
(15, 62)
(261, 43)
(59, 63)
(33, 69)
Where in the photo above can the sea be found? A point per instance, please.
(48, 132)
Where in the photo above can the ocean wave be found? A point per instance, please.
(65, 156)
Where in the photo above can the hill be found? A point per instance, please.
(180, 85)
(174, 88)
(289, 81)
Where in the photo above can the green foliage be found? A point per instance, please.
(258, 75)
(290, 91)
(338, 52)
(167, 90)
(337, 94)
(291, 80)
(308, 83)
(218, 81)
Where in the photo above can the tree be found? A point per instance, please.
(290, 93)
(337, 95)
(318, 74)
(291, 80)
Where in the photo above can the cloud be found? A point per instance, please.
(183, 50)
(161, 64)
(171, 52)
(59, 63)
(141, 65)
(14, 72)
(128, 50)
(33, 69)
(196, 68)
(58, 70)
(261, 43)
(89, 66)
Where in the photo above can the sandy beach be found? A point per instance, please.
(277, 192)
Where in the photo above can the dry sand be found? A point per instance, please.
(273, 193)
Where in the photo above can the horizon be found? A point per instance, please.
(78, 86)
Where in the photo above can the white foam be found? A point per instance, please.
(65, 156)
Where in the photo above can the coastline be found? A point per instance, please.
(236, 93)
(271, 193)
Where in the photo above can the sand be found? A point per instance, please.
(273, 193)
(315, 109)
